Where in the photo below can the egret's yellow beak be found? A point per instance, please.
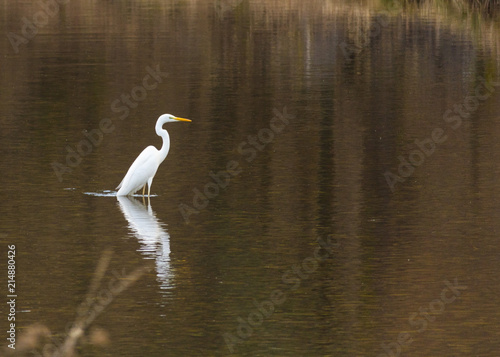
(182, 119)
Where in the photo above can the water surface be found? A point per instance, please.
(336, 193)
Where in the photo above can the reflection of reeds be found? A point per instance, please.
(35, 336)
(470, 20)
(463, 5)
(482, 5)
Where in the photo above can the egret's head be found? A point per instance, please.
(169, 118)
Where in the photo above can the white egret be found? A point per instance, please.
(144, 168)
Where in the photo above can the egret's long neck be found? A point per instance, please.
(166, 141)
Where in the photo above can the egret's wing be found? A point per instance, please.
(141, 169)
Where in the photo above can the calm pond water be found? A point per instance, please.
(336, 193)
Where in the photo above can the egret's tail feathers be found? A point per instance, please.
(120, 184)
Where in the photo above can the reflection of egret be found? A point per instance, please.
(154, 239)
(144, 168)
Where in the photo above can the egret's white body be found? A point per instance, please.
(144, 168)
